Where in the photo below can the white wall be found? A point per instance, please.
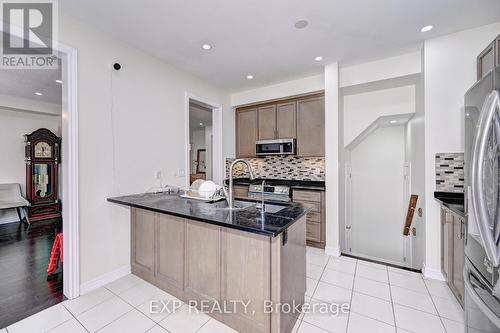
(148, 98)
(361, 110)
(209, 152)
(13, 126)
(332, 153)
(279, 90)
(415, 157)
(382, 69)
(377, 195)
(450, 69)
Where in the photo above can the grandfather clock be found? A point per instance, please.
(42, 156)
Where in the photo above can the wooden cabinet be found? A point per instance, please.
(286, 120)
(301, 118)
(488, 59)
(170, 234)
(240, 191)
(458, 258)
(247, 132)
(196, 261)
(315, 220)
(452, 249)
(267, 122)
(278, 121)
(202, 274)
(311, 127)
(142, 243)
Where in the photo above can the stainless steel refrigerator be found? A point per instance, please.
(482, 205)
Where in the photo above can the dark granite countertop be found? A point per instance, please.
(452, 201)
(294, 184)
(249, 219)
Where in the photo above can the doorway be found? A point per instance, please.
(200, 142)
(203, 141)
(67, 119)
(377, 189)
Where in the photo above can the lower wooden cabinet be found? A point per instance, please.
(197, 261)
(452, 249)
(315, 220)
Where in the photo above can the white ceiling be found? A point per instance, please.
(199, 115)
(259, 37)
(25, 82)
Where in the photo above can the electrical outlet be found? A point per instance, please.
(158, 174)
(180, 173)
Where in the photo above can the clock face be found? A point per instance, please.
(43, 150)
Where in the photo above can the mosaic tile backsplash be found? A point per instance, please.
(282, 167)
(450, 172)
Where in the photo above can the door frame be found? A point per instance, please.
(217, 155)
(70, 169)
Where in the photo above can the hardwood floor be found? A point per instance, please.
(24, 256)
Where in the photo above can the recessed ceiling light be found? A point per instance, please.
(426, 28)
(59, 81)
(393, 121)
(318, 58)
(201, 124)
(301, 24)
(249, 77)
(38, 93)
(206, 47)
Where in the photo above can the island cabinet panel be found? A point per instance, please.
(170, 235)
(142, 244)
(202, 270)
(248, 131)
(250, 281)
(196, 261)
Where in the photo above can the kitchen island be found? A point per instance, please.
(203, 252)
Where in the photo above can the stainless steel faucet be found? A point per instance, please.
(230, 195)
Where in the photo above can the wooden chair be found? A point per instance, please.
(11, 198)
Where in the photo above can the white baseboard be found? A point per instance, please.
(433, 274)
(104, 279)
(332, 251)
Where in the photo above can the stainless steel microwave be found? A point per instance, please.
(276, 147)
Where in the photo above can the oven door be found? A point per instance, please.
(482, 309)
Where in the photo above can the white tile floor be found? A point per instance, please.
(382, 299)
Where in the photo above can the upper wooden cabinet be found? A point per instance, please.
(267, 122)
(488, 59)
(286, 120)
(246, 132)
(311, 127)
(301, 118)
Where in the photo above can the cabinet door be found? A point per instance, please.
(170, 233)
(458, 257)
(286, 120)
(246, 132)
(498, 51)
(202, 261)
(143, 235)
(446, 243)
(267, 122)
(486, 60)
(311, 127)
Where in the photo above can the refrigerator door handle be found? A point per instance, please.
(471, 292)
(479, 205)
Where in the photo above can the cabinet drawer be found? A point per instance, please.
(313, 231)
(314, 206)
(313, 217)
(307, 196)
